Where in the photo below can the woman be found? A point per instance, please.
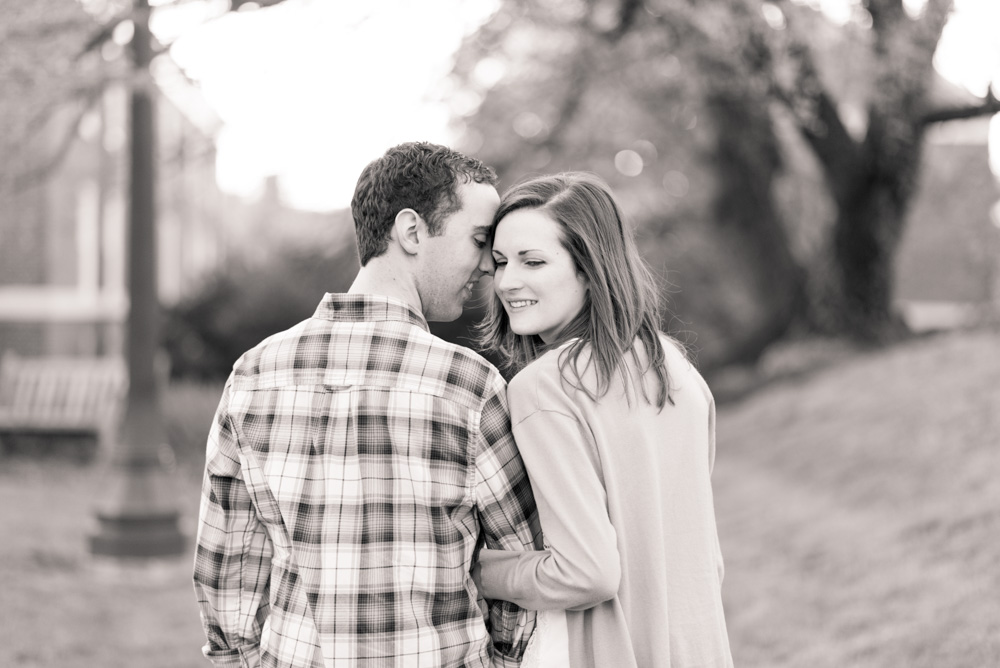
(617, 433)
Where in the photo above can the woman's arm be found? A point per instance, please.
(581, 567)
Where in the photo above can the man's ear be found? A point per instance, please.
(406, 230)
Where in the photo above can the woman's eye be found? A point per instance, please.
(480, 243)
(533, 263)
(499, 263)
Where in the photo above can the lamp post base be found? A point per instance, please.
(137, 517)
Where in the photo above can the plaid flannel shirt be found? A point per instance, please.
(355, 464)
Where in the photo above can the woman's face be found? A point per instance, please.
(535, 277)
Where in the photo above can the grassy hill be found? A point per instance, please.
(859, 511)
(858, 506)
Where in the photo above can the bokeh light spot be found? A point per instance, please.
(676, 183)
(465, 102)
(647, 150)
(488, 72)
(528, 124)
(670, 66)
(773, 15)
(628, 162)
(123, 32)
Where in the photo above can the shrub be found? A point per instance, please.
(245, 303)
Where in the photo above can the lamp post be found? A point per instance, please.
(136, 516)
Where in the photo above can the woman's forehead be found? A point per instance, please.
(527, 227)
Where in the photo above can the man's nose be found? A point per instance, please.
(486, 264)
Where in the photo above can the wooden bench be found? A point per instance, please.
(51, 398)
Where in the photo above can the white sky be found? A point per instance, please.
(312, 90)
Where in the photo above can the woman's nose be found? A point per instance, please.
(506, 279)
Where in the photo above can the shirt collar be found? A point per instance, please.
(343, 307)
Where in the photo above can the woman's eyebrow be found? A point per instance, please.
(520, 253)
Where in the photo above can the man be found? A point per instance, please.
(356, 461)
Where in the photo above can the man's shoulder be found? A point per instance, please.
(390, 353)
(461, 370)
(265, 353)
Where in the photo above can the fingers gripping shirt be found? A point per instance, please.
(354, 464)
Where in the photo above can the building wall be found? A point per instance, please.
(64, 252)
(948, 265)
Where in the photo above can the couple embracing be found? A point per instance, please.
(375, 496)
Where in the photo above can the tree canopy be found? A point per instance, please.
(766, 155)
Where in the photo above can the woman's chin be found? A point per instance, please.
(523, 331)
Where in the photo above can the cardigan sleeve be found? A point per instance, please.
(581, 566)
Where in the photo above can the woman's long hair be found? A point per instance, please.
(622, 302)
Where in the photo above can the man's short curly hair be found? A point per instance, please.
(416, 175)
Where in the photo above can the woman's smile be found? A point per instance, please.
(518, 304)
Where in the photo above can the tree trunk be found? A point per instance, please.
(747, 163)
(866, 237)
(872, 209)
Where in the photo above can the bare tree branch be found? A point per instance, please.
(990, 105)
(931, 25)
(578, 83)
(815, 113)
(581, 68)
(886, 14)
(45, 30)
(98, 39)
(49, 164)
(86, 92)
(626, 18)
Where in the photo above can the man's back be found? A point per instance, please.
(354, 463)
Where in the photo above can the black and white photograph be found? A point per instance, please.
(499, 334)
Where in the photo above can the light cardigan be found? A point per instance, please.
(625, 502)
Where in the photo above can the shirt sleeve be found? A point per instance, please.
(233, 554)
(581, 566)
(508, 519)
